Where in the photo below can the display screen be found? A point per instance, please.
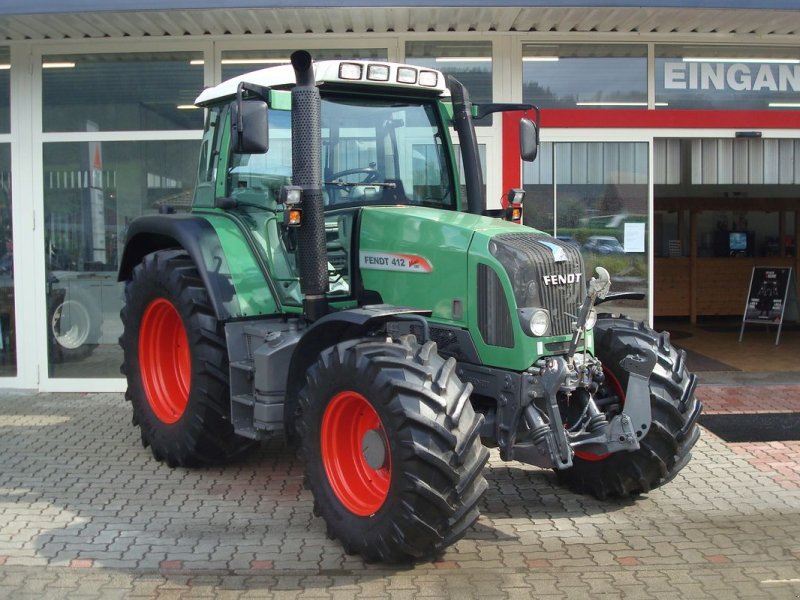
(737, 241)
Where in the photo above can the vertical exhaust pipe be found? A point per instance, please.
(462, 122)
(312, 256)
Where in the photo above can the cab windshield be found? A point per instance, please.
(374, 152)
(379, 152)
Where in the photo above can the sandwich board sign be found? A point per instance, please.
(771, 298)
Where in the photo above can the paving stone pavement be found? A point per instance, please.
(85, 512)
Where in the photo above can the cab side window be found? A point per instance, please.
(258, 178)
(209, 153)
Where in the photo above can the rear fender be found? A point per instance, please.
(199, 238)
(329, 330)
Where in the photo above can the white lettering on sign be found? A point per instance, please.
(562, 279)
(738, 77)
(384, 261)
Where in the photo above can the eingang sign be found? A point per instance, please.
(736, 77)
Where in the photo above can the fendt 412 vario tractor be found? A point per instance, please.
(332, 285)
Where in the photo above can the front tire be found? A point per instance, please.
(392, 449)
(666, 448)
(176, 362)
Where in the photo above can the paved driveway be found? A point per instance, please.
(85, 512)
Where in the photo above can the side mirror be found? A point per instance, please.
(528, 140)
(249, 127)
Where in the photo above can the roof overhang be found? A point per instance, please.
(80, 19)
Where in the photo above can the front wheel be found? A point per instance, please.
(392, 448)
(675, 410)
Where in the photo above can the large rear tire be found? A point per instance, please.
(392, 449)
(176, 362)
(666, 448)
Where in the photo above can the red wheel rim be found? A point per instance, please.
(164, 360)
(361, 488)
(616, 387)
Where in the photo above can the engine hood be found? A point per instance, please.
(418, 257)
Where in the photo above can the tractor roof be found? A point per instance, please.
(350, 72)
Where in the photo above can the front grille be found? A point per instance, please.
(528, 259)
(494, 316)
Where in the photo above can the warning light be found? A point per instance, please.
(294, 217)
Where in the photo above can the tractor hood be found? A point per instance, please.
(476, 273)
(419, 257)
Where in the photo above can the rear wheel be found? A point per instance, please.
(392, 449)
(176, 362)
(665, 450)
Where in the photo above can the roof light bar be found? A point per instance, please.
(406, 75)
(378, 72)
(428, 78)
(350, 71)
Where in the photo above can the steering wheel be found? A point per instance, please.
(371, 172)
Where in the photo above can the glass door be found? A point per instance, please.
(595, 195)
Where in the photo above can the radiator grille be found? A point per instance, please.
(544, 273)
(494, 316)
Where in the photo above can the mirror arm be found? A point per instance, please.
(488, 109)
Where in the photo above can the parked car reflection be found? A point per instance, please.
(602, 244)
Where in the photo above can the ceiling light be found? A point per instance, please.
(198, 61)
(540, 59)
(5, 67)
(255, 61)
(784, 104)
(187, 107)
(611, 104)
(447, 59)
(776, 61)
(58, 65)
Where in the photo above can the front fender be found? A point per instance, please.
(327, 331)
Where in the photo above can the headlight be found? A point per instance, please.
(535, 321)
(591, 319)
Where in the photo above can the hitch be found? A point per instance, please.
(632, 424)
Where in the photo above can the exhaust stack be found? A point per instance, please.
(462, 122)
(312, 256)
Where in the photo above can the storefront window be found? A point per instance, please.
(539, 191)
(742, 193)
(121, 92)
(8, 337)
(469, 62)
(5, 90)
(584, 75)
(238, 62)
(92, 191)
(727, 77)
(595, 195)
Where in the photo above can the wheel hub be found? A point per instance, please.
(355, 453)
(373, 446)
(165, 360)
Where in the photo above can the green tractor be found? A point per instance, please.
(331, 285)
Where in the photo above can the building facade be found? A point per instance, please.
(670, 154)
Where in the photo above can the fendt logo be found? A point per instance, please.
(562, 279)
